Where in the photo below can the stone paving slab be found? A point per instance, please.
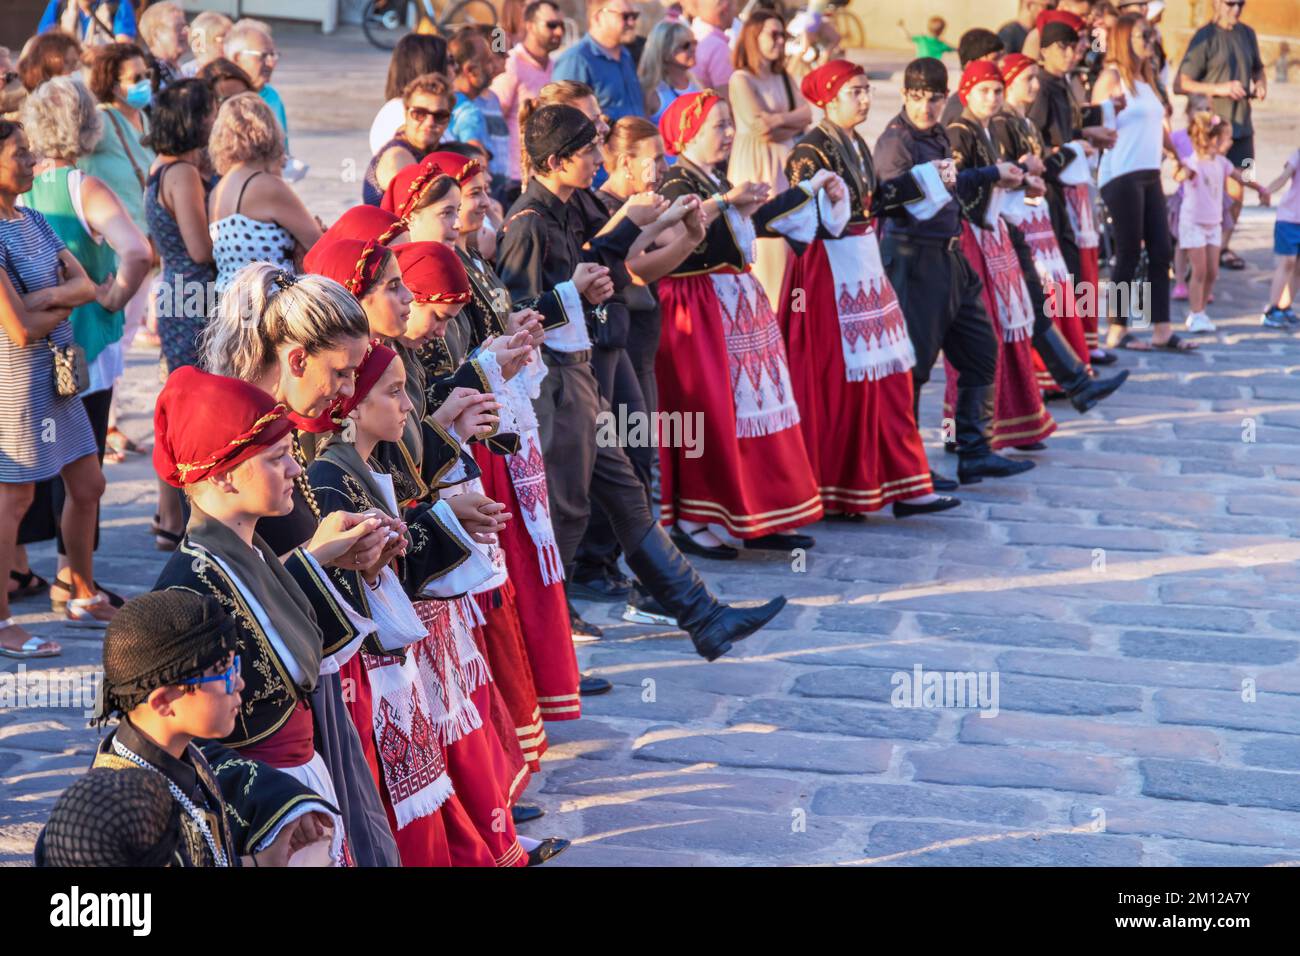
(1135, 596)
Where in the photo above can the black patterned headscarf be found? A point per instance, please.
(159, 639)
(112, 818)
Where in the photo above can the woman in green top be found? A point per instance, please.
(94, 224)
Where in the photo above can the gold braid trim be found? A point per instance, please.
(357, 283)
(445, 297)
(184, 468)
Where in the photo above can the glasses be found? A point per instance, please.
(629, 17)
(266, 56)
(554, 24)
(778, 36)
(921, 96)
(421, 115)
(229, 675)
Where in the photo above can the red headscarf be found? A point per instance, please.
(976, 72)
(1071, 20)
(683, 119)
(433, 272)
(206, 423)
(354, 263)
(820, 86)
(366, 222)
(1012, 65)
(370, 371)
(412, 182)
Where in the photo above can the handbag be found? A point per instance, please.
(71, 370)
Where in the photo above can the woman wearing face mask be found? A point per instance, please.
(120, 80)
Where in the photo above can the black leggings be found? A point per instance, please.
(1137, 208)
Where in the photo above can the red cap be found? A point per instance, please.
(206, 423)
(433, 272)
(1012, 65)
(821, 85)
(412, 182)
(683, 119)
(1071, 20)
(356, 264)
(366, 222)
(976, 72)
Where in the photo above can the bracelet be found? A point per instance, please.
(723, 205)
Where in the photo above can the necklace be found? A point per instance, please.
(194, 812)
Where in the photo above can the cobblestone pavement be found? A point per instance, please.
(1133, 597)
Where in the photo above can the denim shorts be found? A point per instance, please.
(1286, 238)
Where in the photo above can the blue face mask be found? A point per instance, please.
(140, 95)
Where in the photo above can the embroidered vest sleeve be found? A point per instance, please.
(257, 796)
(337, 630)
(434, 551)
(269, 694)
(971, 150)
(331, 495)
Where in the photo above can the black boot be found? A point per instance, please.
(938, 482)
(712, 625)
(974, 414)
(1084, 390)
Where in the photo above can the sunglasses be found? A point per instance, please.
(554, 24)
(1239, 4)
(628, 18)
(229, 675)
(421, 115)
(779, 35)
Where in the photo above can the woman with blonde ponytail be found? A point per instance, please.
(301, 340)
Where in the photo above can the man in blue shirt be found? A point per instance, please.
(113, 19)
(602, 61)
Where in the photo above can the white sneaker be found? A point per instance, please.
(1200, 322)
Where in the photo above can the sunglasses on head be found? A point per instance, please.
(420, 114)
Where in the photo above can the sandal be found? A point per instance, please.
(90, 612)
(1132, 343)
(60, 604)
(30, 584)
(32, 647)
(117, 440)
(1177, 343)
(1230, 260)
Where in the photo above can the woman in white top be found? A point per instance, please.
(666, 64)
(254, 215)
(415, 55)
(1130, 185)
(769, 114)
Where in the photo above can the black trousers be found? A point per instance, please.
(44, 519)
(1037, 294)
(940, 296)
(1137, 206)
(579, 470)
(620, 390)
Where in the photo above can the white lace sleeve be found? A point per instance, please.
(935, 194)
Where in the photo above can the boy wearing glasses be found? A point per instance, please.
(172, 676)
(602, 60)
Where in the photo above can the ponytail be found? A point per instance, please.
(264, 308)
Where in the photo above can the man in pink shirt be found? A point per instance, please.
(713, 55)
(528, 69)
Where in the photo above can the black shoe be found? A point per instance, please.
(584, 632)
(525, 813)
(712, 625)
(593, 686)
(1100, 356)
(688, 545)
(950, 447)
(1034, 446)
(975, 468)
(1095, 390)
(600, 587)
(548, 849)
(905, 509)
(780, 542)
(940, 483)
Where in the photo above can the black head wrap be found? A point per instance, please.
(112, 818)
(159, 639)
(556, 130)
(1057, 32)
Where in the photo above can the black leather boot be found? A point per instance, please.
(712, 625)
(1084, 390)
(937, 481)
(974, 414)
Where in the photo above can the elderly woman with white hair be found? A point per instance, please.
(254, 215)
(63, 125)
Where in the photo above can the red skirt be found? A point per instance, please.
(861, 437)
(1091, 269)
(542, 612)
(752, 486)
(444, 838)
(1019, 416)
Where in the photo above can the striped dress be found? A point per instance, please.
(39, 431)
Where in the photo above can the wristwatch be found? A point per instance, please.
(723, 205)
